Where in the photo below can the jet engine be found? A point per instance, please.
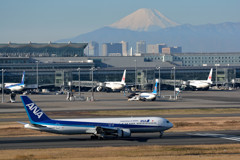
(99, 88)
(124, 133)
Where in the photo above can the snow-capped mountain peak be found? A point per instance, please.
(144, 20)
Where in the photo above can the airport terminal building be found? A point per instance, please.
(42, 49)
(56, 64)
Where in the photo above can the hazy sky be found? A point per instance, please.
(50, 20)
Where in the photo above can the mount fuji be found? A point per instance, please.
(144, 20)
(153, 27)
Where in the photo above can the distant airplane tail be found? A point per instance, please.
(209, 80)
(23, 77)
(35, 114)
(124, 76)
(155, 88)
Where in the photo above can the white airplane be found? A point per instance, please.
(144, 96)
(114, 86)
(201, 84)
(100, 128)
(16, 87)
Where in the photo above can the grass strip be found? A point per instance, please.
(206, 152)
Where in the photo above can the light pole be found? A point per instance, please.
(159, 81)
(174, 83)
(79, 82)
(216, 77)
(37, 74)
(92, 69)
(216, 73)
(3, 70)
(135, 73)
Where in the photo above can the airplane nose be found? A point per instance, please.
(168, 124)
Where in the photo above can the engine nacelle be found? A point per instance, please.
(99, 88)
(124, 133)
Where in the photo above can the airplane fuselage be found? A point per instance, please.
(147, 96)
(199, 84)
(88, 126)
(14, 86)
(115, 85)
(98, 127)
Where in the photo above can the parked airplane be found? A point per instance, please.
(201, 84)
(99, 127)
(16, 87)
(114, 86)
(144, 96)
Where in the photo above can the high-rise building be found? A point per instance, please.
(124, 48)
(155, 48)
(93, 49)
(104, 49)
(115, 49)
(169, 50)
(141, 47)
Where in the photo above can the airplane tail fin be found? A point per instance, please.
(210, 76)
(155, 88)
(23, 77)
(35, 114)
(124, 76)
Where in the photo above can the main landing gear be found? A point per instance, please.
(161, 134)
(94, 137)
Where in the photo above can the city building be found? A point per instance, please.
(170, 50)
(93, 49)
(112, 49)
(115, 49)
(155, 48)
(141, 47)
(124, 48)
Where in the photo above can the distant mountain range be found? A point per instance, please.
(153, 27)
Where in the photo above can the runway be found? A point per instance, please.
(78, 141)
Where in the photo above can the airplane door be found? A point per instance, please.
(57, 126)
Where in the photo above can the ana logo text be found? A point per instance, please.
(35, 110)
(148, 120)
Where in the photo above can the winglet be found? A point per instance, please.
(35, 114)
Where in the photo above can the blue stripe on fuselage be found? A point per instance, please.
(145, 96)
(90, 124)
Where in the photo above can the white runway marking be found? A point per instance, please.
(224, 136)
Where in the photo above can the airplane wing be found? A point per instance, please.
(106, 130)
(21, 122)
(114, 131)
(133, 94)
(103, 130)
(34, 125)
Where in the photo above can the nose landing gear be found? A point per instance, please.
(161, 134)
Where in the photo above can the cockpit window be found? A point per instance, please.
(167, 121)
